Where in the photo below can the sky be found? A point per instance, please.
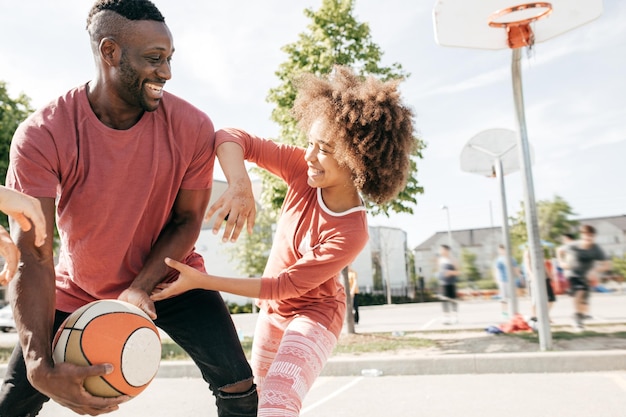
(227, 53)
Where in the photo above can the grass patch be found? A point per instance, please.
(562, 335)
(379, 342)
(5, 353)
(348, 344)
(172, 352)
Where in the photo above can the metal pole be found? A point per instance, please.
(506, 239)
(532, 224)
(449, 230)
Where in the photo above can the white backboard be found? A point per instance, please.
(465, 23)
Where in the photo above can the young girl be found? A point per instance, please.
(360, 137)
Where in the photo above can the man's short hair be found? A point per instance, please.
(587, 228)
(130, 9)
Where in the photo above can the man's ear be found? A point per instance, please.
(110, 51)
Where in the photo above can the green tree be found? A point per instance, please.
(554, 218)
(619, 266)
(334, 37)
(12, 112)
(468, 266)
(255, 246)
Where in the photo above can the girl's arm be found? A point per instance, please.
(190, 278)
(237, 204)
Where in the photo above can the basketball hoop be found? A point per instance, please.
(461, 23)
(519, 32)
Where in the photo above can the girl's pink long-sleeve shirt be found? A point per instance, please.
(312, 244)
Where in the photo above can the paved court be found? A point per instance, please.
(510, 395)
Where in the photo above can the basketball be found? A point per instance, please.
(115, 332)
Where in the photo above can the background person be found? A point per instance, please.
(502, 279)
(127, 170)
(561, 253)
(550, 295)
(580, 258)
(354, 293)
(448, 273)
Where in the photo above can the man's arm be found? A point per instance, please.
(35, 281)
(32, 294)
(175, 241)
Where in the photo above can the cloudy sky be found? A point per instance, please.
(227, 53)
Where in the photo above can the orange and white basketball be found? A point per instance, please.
(115, 332)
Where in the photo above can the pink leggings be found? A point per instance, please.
(288, 354)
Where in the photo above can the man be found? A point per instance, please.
(561, 252)
(448, 274)
(578, 260)
(128, 169)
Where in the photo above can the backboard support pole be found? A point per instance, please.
(506, 238)
(532, 223)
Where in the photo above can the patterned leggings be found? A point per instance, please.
(288, 354)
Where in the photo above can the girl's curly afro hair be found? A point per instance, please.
(371, 128)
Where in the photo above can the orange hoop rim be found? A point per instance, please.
(512, 9)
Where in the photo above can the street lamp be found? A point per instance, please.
(449, 230)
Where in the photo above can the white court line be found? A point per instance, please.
(619, 380)
(428, 324)
(331, 396)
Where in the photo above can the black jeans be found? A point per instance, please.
(199, 322)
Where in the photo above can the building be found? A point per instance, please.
(388, 250)
(483, 242)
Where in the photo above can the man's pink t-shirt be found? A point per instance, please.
(115, 189)
(312, 244)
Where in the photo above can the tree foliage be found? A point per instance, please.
(619, 266)
(12, 112)
(554, 218)
(256, 246)
(469, 269)
(334, 37)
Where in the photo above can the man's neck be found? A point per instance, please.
(110, 109)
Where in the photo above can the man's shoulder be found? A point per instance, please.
(58, 113)
(174, 102)
(175, 108)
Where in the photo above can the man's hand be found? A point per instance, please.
(139, 298)
(64, 383)
(237, 207)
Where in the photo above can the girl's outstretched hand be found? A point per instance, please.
(189, 279)
(11, 255)
(24, 209)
